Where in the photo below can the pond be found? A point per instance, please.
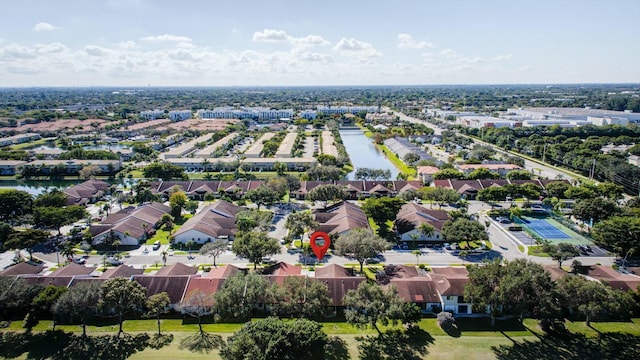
(363, 153)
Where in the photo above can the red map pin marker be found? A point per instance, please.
(319, 242)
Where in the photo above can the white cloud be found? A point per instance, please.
(310, 40)
(95, 50)
(281, 36)
(166, 38)
(353, 47)
(51, 48)
(15, 51)
(502, 57)
(270, 35)
(408, 42)
(448, 53)
(43, 26)
(129, 44)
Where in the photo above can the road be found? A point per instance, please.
(538, 168)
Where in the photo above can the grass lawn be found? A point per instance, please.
(536, 250)
(396, 161)
(163, 235)
(477, 339)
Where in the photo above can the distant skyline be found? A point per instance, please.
(307, 43)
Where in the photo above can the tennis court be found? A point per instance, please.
(544, 228)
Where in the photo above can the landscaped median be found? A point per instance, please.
(476, 339)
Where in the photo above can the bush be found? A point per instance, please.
(446, 321)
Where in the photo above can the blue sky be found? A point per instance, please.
(298, 42)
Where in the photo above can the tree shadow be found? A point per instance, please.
(201, 342)
(396, 344)
(57, 344)
(572, 347)
(336, 349)
(158, 341)
(452, 330)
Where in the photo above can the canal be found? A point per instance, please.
(363, 153)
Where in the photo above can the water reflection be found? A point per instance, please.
(363, 153)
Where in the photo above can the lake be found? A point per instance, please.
(363, 153)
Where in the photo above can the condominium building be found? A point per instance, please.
(179, 115)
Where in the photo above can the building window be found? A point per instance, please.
(460, 299)
(463, 309)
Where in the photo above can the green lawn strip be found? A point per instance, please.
(536, 250)
(396, 161)
(162, 235)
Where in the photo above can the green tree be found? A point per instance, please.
(462, 229)
(560, 252)
(79, 303)
(164, 171)
(595, 209)
(518, 287)
(14, 203)
(299, 222)
(518, 175)
(621, 234)
(16, 297)
(579, 192)
(41, 304)
(493, 194)
(610, 190)
(448, 174)
(254, 245)
(121, 296)
(27, 239)
(5, 231)
(410, 158)
(369, 306)
(239, 296)
(324, 173)
(272, 338)
(381, 211)
(177, 202)
(156, 305)
(52, 198)
(557, 189)
(247, 220)
(298, 296)
(56, 217)
(593, 300)
(262, 195)
(327, 193)
(482, 173)
(439, 195)
(360, 244)
(191, 207)
(214, 249)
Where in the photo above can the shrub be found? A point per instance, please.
(446, 321)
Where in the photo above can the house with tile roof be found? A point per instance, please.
(22, 268)
(411, 216)
(87, 192)
(450, 283)
(338, 280)
(130, 225)
(215, 221)
(340, 218)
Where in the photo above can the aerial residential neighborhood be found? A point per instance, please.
(319, 180)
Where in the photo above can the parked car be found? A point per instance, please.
(156, 245)
(268, 260)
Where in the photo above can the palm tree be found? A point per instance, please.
(116, 243)
(417, 253)
(189, 244)
(67, 250)
(426, 229)
(164, 258)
